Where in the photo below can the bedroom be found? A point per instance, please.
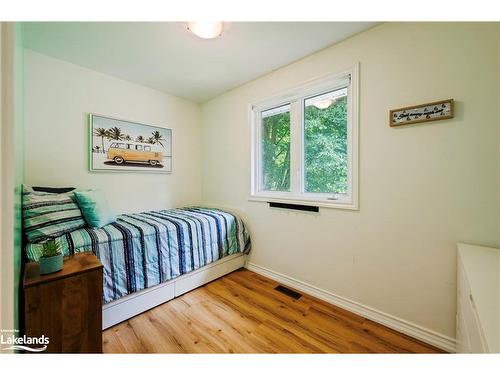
(281, 187)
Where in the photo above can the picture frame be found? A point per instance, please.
(434, 111)
(117, 145)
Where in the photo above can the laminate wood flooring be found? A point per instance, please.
(243, 313)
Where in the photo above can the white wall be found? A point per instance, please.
(422, 187)
(58, 98)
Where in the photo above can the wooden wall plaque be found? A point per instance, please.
(434, 111)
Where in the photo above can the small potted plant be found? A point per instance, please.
(52, 258)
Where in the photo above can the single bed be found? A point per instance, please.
(144, 253)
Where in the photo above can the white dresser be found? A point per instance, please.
(478, 299)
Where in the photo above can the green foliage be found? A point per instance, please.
(325, 149)
(50, 248)
(325, 144)
(157, 138)
(101, 132)
(276, 152)
(115, 133)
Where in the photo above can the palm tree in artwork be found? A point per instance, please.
(158, 138)
(140, 138)
(101, 132)
(150, 140)
(127, 137)
(115, 133)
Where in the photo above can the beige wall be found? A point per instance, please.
(59, 96)
(422, 187)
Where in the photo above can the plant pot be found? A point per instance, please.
(51, 264)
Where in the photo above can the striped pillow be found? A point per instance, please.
(48, 215)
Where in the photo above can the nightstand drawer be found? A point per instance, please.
(66, 307)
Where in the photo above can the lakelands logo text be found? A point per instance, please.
(9, 340)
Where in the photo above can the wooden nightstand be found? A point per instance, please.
(66, 306)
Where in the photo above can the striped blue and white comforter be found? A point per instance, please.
(146, 249)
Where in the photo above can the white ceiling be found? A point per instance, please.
(167, 57)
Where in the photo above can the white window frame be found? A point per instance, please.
(296, 97)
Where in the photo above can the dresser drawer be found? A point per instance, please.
(469, 332)
(478, 299)
(463, 341)
(472, 326)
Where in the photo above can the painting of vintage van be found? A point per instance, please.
(124, 146)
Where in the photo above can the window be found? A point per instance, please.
(305, 144)
(275, 144)
(147, 148)
(138, 147)
(325, 143)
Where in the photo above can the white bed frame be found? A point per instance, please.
(136, 303)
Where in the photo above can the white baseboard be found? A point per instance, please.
(423, 334)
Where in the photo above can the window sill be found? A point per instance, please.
(311, 202)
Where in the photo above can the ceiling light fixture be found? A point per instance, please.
(206, 30)
(323, 104)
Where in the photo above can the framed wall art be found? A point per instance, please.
(125, 146)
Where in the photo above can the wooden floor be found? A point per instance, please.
(242, 313)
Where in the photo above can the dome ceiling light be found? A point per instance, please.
(206, 30)
(323, 104)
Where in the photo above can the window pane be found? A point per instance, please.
(275, 146)
(325, 143)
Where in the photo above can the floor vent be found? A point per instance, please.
(288, 292)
